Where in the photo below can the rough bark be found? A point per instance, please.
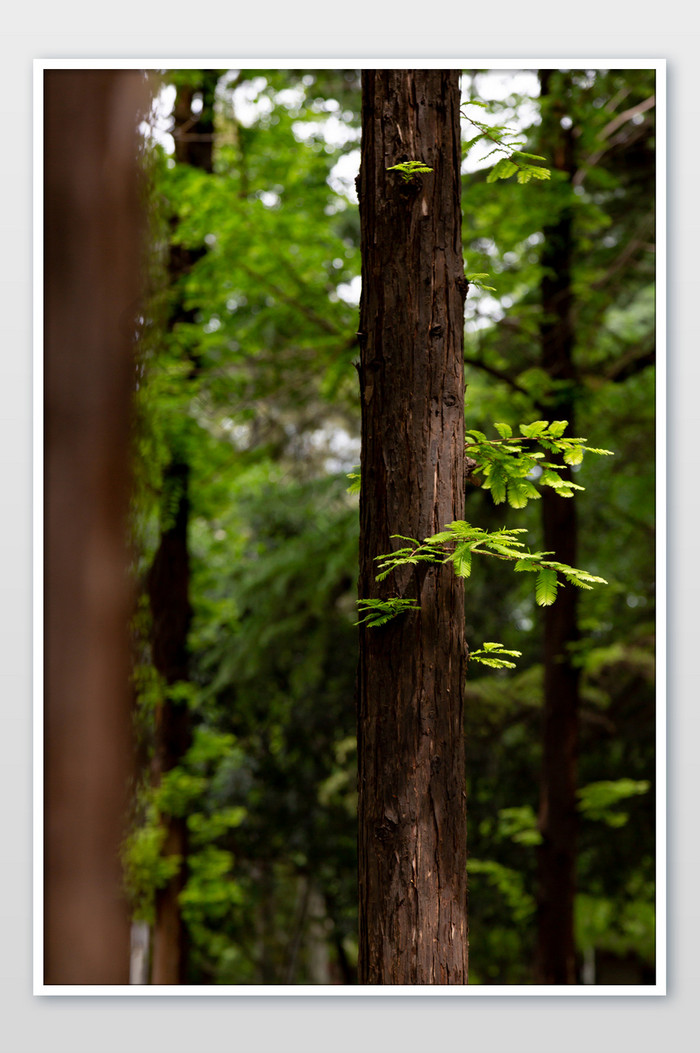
(169, 578)
(93, 228)
(412, 801)
(556, 856)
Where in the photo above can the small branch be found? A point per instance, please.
(627, 115)
(308, 312)
(632, 364)
(607, 131)
(498, 374)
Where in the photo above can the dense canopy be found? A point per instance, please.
(246, 446)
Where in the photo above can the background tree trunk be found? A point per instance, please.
(556, 855)
(412, 808)
(93, 227)
(169, 577)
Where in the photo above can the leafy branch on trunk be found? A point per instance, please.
(408, 170)
(515, 160)
(512, 473)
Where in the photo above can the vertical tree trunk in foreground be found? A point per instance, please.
(92, 258)
(412, 802)
(556, 855)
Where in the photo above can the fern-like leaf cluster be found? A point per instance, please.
(377, 612)
(409, 169)
(511, 471)
(515, 161)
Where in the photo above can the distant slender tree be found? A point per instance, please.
(556, 855)
(412, 808)
(169, 575)
(93, 229)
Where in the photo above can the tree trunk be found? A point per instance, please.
(169, 578)
(412, 801)
(556, 856)
(93, 227)
(168, 586)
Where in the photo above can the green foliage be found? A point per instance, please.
(145, 867)
(490, 654)
(519, 824)
(597, 800)
(504, 234)
(378, 612)
(408, 170)
(510, 885)
(251, 389)
(477, 280)
(618, 927)
(511, 472)
(505, 142)
(354, 476)
(507, 470)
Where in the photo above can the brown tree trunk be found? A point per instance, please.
(556, 856)
(412, 802)
(169, 578)
(168, 585)
(93, 227)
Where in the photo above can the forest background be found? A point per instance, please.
(246, 535)
(76, 1025)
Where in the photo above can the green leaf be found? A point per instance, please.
(503, 169)
(462, 561)
(546, 587)
(378, 612)
(532, 431)
(597, 800)
(496, 483)
(574, 455)
(494, 663)
(490, 655)
(408, 169)
(354, 487)
(520, 491)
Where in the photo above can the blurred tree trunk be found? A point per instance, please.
(556, 856)
(169, 577)
(93, 227)
(412, 806)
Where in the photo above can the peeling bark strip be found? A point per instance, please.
(412, 806)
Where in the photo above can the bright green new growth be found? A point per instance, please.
(380, 611)
(489, 655)
(514, 161)
(409, 169)
(511, 473)
(477, 279)
(509, 470)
